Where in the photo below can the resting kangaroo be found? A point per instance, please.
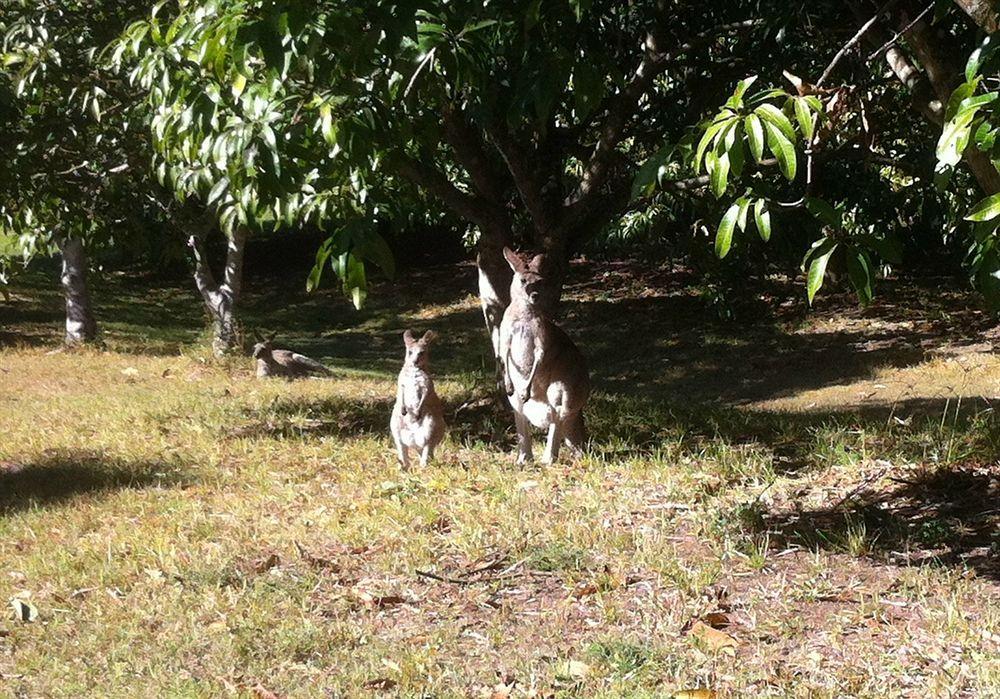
(418, 416)
(280, 362)
(545, 374)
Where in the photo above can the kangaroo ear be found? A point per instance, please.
(429, 337)
(514, 260)
(536, 262)
(408, 338)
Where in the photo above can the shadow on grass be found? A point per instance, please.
(948, 516)
(58, 478)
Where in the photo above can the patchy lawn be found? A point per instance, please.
(796, 505)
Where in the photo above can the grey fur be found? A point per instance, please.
(284, 363)
(545, 375)
(417, 419)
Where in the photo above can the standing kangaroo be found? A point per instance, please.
(545, 375)
(418, 416)
(280, 362)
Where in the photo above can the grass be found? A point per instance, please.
(806, 486)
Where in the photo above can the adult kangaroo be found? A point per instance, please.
(545, 375)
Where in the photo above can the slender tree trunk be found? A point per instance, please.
(221, 299)
(80, 324)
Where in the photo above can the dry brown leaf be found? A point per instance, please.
(713, 638)
(717, 620)
(696, 694)
(262, 692)
(382, 683)
(585, 589)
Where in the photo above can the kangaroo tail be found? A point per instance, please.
(311, 364)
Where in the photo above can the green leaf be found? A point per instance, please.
(755, 135)
(373, 248)
(744, 205)
(774, 116)
(217, 190)
(979, 57)
(239, 84)
(322, 256)
(986, 210)
(859, 272)
(960, 93)
(267, 133)
(804, 117)
(782, 149)
(823, 211)
(737, 155)
(985, 137)
(718, 170)
(710, 133)
(817, 267)
(736, 100)
(646, 175)
(762, 217)
(724, 236)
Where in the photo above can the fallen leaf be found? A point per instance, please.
(585, 589)
(695, 694)
(383, 683)
(24, 610)
(262, 692)
(573, 670)
(717, 620)
(713, 638)
(265, 563)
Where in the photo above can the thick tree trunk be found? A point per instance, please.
(221, 299)
(936, 54)
(930, 90)
(80, 324)
(985, 13)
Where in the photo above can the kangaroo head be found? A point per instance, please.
(528, 284)
(264, 346)
(418, 351)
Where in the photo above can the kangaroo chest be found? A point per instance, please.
(524, 338)
(415, 384)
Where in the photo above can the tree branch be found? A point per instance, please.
(472, 155)
(625, 103)
(436, 183)
(526, 180)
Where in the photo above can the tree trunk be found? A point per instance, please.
(983, 12)
(221, 299)
(81, 327)
(936, 52)
(929, 91)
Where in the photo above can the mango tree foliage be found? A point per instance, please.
(839, 152)
(254, 114)
(73, 161)
(972, 122)
(526, 119)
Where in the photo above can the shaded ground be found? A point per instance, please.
(797, 504)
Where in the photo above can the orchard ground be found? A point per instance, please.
(794, 504)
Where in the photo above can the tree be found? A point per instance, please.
(523, 118)
(826, 139)
(76, 179)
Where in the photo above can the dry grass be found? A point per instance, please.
(743, 522)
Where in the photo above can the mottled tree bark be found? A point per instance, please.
(221, 298)
(81, 327)
(985, 13)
